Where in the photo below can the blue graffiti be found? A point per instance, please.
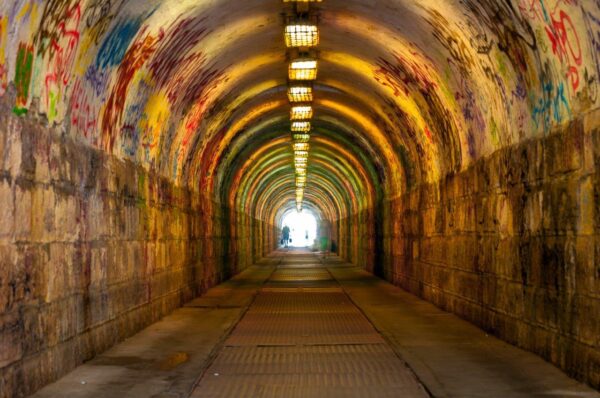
(117, 41)
(549, 108)
(97, 79)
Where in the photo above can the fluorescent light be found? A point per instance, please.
(301, 112)
(301, 35)
(301, 146)
(303, 69)
(301, 127)
(301, 137)
(298, 93)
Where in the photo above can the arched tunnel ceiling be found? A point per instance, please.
(408, 91)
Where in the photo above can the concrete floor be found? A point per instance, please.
(296, 326)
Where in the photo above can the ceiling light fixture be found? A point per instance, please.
(300, 93)
(303, 69)
(301, 127)
(301, 137)
(301, 34)
(300, 146)
(301, 112)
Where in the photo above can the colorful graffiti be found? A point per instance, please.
(22, 79)
(177, 86)
(3, 40)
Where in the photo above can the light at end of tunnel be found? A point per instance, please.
(301, 127)
(301, 146)
(301, 171)
(300, 93)
(301, 112)
(301, 137)
(301, 34)
(303, 69)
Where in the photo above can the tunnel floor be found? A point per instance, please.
(298, 325)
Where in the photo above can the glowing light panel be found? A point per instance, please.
(301, 146)
(300, 94)
(301, 112)
(301, 35)
(301, 127)
(303, 69)
(301, 137)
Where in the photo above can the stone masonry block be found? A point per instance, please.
(7, 210)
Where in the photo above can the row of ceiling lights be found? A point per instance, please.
(301, 38)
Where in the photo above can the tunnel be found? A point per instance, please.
(447, 153)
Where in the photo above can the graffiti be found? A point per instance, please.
(57, 38)
(457, 48)
(54, 24)
(83, 110)
(520, 91)
(588, 95)
(513, 34)
(592, 25)
(129, 137)
(130, 133)
(551, 107)
(97, 79)
(113, 48)
(470, 109)
(23, 76)
(481, 43)
(472, 114)
(173, 62)
(3, 40)
(561, 33)
(3, 78)
(133, 60)
(154, 119)
(99, 14)
(404, 74)
(202, 86)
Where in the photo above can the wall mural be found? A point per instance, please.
(173, 85)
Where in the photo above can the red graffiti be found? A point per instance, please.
(3, 78)
(561, 32)
(565, 45)
(62, 52)
(403, 75)
(83, 113)
(134, 59)
(428, 134)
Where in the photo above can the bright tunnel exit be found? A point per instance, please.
(303, 228)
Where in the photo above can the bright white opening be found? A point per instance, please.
(303, 228)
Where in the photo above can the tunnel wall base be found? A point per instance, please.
(93, 249)
(511, 244)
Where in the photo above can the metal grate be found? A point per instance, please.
(331, 371)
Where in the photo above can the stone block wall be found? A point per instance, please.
(93, 249)
(511, 244)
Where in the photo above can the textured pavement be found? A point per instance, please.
(297, 325)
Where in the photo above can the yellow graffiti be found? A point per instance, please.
(156, 115)
(3, 67)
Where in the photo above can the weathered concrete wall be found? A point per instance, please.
(512, 244)
(93, 249)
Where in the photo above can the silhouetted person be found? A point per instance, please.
(285, 235)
